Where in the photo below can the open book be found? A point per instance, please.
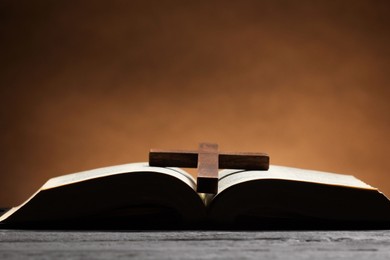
(137, 196)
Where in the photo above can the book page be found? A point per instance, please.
(104, 172)
(232, 177)
(129, 188)
(117, 169)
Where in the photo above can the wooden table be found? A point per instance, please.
(22, 244)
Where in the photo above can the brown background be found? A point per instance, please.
(91, 84)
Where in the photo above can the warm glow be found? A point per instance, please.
(90, 85)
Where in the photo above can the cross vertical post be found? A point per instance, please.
(207, 181)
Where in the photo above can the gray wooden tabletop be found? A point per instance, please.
(22, 244)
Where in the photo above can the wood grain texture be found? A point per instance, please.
(189, 159)
(207, 179)
(19, 244)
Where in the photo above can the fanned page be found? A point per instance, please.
(117, 169)
(232, 177)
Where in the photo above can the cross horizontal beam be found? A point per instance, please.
(189, 159)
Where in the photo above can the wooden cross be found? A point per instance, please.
(208, 161)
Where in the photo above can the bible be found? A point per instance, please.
(140, 196)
